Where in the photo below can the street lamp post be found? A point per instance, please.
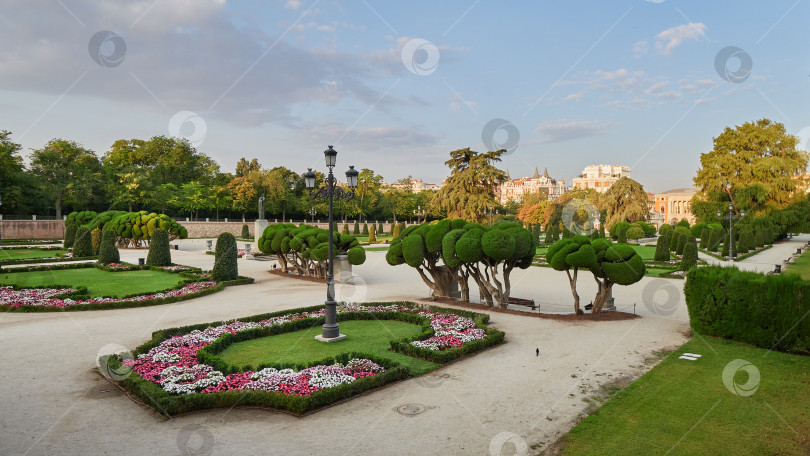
(418, 213)
(731, 219)
(330, 329)
(312, 212)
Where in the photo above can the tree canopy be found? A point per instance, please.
(469, 191)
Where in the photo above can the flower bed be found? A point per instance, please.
(64, 297)
(182, 369)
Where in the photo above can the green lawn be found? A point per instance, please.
(98, 282)
(801, 266)
(366, 336)
(683, 407)
(28, 254)
(656, 272)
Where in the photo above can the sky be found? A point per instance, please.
(396, 86)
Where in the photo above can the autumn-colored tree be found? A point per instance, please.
(243, 193)
(625, 200)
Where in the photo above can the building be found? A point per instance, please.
(515, 189)
(671, 206)
(600, 177)
(416, 186)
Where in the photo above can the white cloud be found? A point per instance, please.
(671, 38)
(640, 48)
(566, 130)
(293, 4)
(326, 28)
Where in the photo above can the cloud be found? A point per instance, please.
(640, 48)
(369, 139)
(671, 38)
(181, 55)
(566, 130)
(293, 4)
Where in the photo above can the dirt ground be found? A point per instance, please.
(506, 398)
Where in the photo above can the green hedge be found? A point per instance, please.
(225, 264)
(764, 310)
(70, 235)
(159, 254)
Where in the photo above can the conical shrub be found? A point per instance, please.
(372, 235)
(245, 232)
(159, 254)
(225, 264)
(83, 246)
(662, 248)
(690, 256)
(70, 235)
(356, 230)
(108, 252)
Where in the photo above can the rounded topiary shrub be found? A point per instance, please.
(83, 246)
(225, 265)
(245, 232)
(108, 252)
(70, 235)
(159, 254)
(356, 255)
(634, 232)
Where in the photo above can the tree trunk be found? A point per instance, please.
(461, 277)
(58, 207)
(440, 283)
(573, 282)
(602, 295)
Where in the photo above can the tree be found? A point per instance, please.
(70, 235)
(193, 197)
(662, 248)
(280, 196)
(610, 265)
(625, 200)
(635, 233)
(372, 235)
(83, 247)
(751, 165)
(534, 213)
(368, 191)
(244, 167)
(469, 191)
(225, 263)
(242, 193)
(67, 172)
(17, 188)
(159, 254)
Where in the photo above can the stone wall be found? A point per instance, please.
(32, 229)
(213, 229)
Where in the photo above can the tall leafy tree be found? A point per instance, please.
(16, 186)
(625, 200)
(752, 165)
(369, 191)
(469, 191)
(280, 186)
(67, 172)
(244, 167)
(243, 194)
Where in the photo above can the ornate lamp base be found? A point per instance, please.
(329, 340)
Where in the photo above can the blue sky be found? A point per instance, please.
(396, 87)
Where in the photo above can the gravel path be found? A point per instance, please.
(54, 403)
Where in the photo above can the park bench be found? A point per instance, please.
(522, 302)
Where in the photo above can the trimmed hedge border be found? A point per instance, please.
(188, 277)
(46, 260)
(764, 310)
(736, 258)
(171, 405)
(30, 241)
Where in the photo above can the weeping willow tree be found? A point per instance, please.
(469, 192)
(626, 201)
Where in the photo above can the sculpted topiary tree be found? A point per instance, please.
(365, 229)
(396, 230)
(95, 239)
(610, 264)
(136, 227)
(704, 237)
(760, 238)
(305, 248)
(225, 260)
(662, 248)
(108, 252)
(356, 230)
(666, 229)
(715, 238)
(83, 247)
(635, 233)
(372, 234)
(245, 232)
(345, 229)
(70, 235)
(159, 254)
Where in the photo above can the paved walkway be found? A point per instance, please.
(54, 403)
(766, 260)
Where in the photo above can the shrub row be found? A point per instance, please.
(764, 310)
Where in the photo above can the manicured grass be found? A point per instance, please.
(364, 336)
(18, 254)
(800, 266)
(98, 282)
(646, 252)
(683, 407)
(541, 250)
(376, 249)
(656, 272)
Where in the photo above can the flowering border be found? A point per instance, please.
(194, 285)
(178, 371)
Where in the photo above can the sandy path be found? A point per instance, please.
(53, 403)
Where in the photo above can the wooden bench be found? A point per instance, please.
(522, 302)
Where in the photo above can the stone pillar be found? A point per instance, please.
(258, 229)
